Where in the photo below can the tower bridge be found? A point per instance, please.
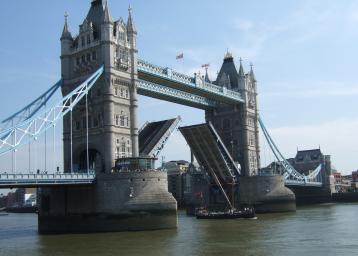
(104, 149)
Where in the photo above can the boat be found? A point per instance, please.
(246, 213)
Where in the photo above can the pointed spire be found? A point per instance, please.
(207, 79)
(66, 34)
(241, 69)
(252, 74)
(228, 55)
(107, 15)
(130, 24)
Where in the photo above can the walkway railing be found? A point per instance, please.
(52, 179)
(193, 82)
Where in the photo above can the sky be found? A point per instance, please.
(304, 53)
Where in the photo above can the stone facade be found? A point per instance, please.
(306, 161)
(112, 102)
(238, 125)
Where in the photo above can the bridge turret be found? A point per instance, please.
(113, 131)
(66, 44)
(238, 125)
(132, 38)
(242, 78)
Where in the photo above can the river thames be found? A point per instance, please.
(329, 229)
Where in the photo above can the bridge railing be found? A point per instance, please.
(194, 82)
(51, 176)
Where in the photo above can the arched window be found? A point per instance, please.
(226, 123)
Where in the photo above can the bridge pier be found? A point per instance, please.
(266, 194)
(311, 195)
(125, 201)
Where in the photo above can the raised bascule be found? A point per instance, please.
(110, 182)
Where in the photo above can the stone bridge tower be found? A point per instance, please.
(238, 125)
(112, 102)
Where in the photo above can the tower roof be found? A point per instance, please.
(130, 24)
(107, 15)
(229, 68)
(207, 79)
(66, 34)
(96, 13)
(241, 69)
(252, 74)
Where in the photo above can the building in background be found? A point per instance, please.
(21, 197)
(177, 171)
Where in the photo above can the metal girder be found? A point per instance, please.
(209, 150)
(163, 140)
(194, 85)
(31, 109)
(29, 129)
(176, 96)
(291, 175)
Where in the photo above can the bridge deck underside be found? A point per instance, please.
(161, 92)
(192, 89)
(152, 134)
(205, 147)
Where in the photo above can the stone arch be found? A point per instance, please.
(96, 159)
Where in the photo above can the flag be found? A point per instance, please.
(180, 56)
(205, 65)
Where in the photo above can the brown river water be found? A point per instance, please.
(330, 229)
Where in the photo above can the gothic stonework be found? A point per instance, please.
(112, 103)
(238, 125)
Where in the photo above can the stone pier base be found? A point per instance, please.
(116, 202)
(266, 194)
(306, 195)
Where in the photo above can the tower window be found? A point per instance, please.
(127, 94)
(88, 57)
(115, 91)
(94, 55)
(121, 35)
(77, 126)
(122, 92)
(226, 123)
(84, 122)
(122, 121)
(95, 122)
(117, 152)
(116, 120)
(83, 41)
(78, 61)
(83, 58)
(88, 39)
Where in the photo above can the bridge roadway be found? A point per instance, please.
(167, 84)
(46, 180)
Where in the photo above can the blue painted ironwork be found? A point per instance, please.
(291, 175)
(38, 180)
(29, 129)
(176, 96)
(31, 109)
(198, 83)
(163, 140)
